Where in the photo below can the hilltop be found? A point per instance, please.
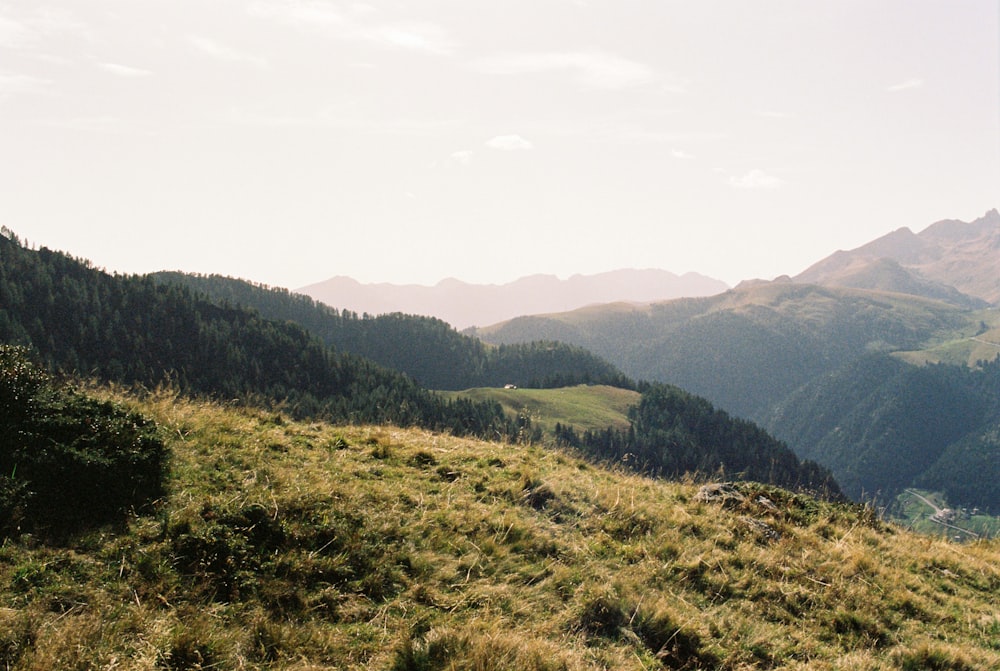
(306, 545)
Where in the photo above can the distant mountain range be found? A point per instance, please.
(463, 305)
(821, 360)
(950, 260)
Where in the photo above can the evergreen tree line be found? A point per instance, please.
(425, 348)
(673, 433)
(132, 330)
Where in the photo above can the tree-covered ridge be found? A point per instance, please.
(673, 433)
(882, 425)
(133, 330)
(427, 349)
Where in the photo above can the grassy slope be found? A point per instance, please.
(307, 546)
(584, 407)
(966, 349)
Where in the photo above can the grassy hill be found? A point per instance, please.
(287, 545)
(585, 407)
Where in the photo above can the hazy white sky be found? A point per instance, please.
(287, 141)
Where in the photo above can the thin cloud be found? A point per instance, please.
(680, 153)
(333, 119)
(420, 36)
(464, 156)
(297, 12)
(627, 133)
(223, 52)
(912, 83)
(98, 124)
(591, 69)
(509, 143)
(756, 179)
(773, 114)
(29, 29)
(14, 33)
(124, 70)
(12, 84)
(318, 15)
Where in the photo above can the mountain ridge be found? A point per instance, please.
(463, 304)
(950, 260)
(770, 345)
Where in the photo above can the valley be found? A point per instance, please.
(929, 513)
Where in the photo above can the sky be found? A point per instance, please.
(290, 141)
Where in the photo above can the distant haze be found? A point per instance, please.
(463, 305)
(288, 141)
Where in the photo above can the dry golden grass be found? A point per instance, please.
(305, 546)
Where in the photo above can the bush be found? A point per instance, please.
(69, 461)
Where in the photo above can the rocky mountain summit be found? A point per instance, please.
(950, 260)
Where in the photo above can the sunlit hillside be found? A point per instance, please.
(285, 545)
(585, 407)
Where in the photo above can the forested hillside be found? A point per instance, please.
(427, 349)
(811, 365)
(882, 425)
(133, 330)
(673, 433)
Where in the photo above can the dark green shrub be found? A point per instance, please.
(69, 461)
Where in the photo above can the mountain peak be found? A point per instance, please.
(950, 260)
